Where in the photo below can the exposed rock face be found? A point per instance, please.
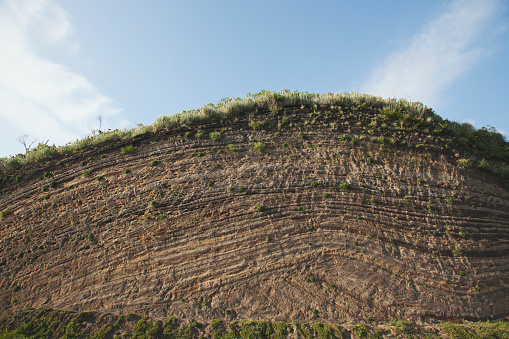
(190, 228)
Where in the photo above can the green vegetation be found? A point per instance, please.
(259, 146)
(345, 186)
(259, 208)
(46, 323)
(313, 184)
(256, 125)
(4, 214)
(310, 279)
(401, 325)
(154, 163)
(215, 136)
(45, 197)
(484, 147)
(86, 173)
(215, 323)
(233, 148)
(457, 331)
(127, 149)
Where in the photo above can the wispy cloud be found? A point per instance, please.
(434, 59)
(37, 96)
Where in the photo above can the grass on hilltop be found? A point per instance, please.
(401, 114)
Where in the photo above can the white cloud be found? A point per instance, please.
(37, 96)
(437, 56)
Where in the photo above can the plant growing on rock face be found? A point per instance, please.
(260, 208)
(464, 163)
(344, 185)
(233, 148)
(127, 149)
(310, 279)
(215, 323)
(152, 204)
(4, 214)
(401, 326)
(314, 184)
(90, 237)
(154, 163)
(256, 124)
(199, 135)
(259, 146)
(448, 200)
(302, 135)
(86, 173)
(215, 136)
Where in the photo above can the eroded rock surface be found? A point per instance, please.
(173, 228)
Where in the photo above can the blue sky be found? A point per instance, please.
(65, 62)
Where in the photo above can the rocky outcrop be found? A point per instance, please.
(328, 220)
